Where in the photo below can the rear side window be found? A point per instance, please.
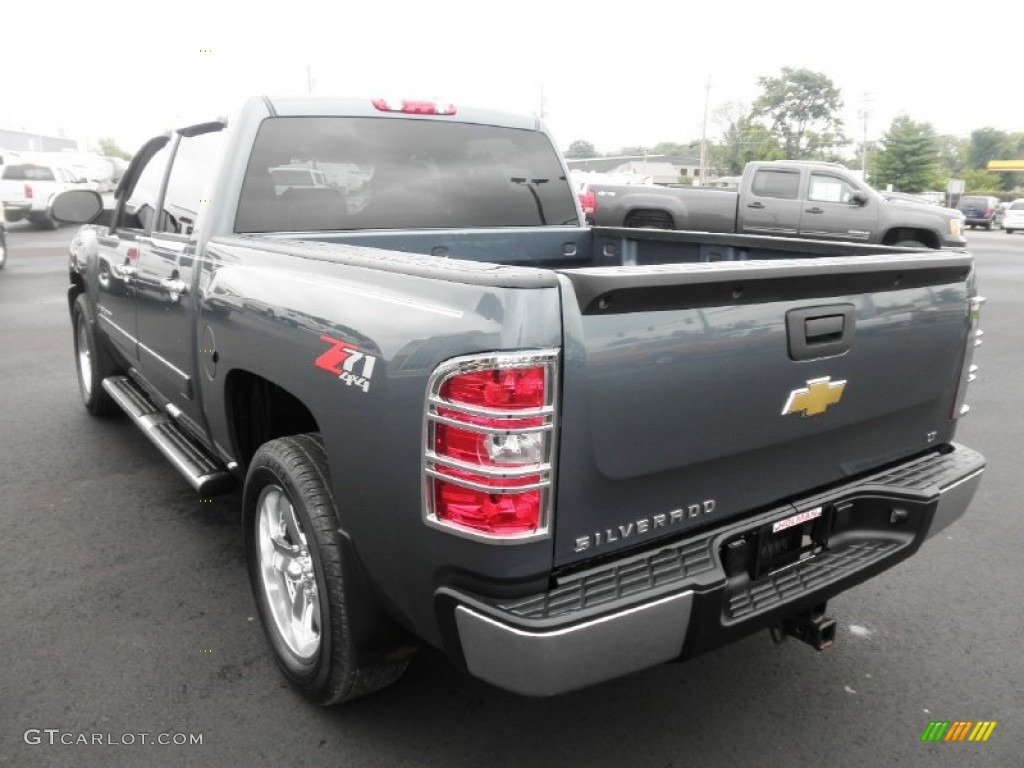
(28, 172)
(1017, 206)
(338, 173)
(783, 184)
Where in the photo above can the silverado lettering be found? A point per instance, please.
(643, 525)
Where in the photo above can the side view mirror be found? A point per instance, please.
(77, 206)
(858, 198)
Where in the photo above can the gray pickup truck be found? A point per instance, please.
(785, 198)
(461, 417)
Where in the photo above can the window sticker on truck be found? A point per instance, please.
(352, 366)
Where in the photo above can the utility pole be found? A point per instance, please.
(543, 102)
(702, 179)
(309, 78)
(864, 114)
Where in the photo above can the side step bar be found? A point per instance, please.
(203, 472)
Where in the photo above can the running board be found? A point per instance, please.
(203, 472)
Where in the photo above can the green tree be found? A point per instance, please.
(672, 148)
(981, 182)
(742, 142)
(909, 159)
(580, 149)
(108, 147)
(987, 144)
(802, 108)
(740, 139)
(634, 150)
(953, 155)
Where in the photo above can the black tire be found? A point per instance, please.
(332, 667)
(988, 226)
(96, 364)
(1008, 231)
(3, 250)
(910, 244)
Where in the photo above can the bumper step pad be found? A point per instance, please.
(203, 472)
(692, 562)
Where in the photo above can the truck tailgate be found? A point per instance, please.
(696, 393)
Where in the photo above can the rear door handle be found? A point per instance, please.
(755, 205)
(815, 210)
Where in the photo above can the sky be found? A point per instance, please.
(614, 74)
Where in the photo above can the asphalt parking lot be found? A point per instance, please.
(125, 610)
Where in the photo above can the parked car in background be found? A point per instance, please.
(980, 210)
(1013, 217)
(27, 191)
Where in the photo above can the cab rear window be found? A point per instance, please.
(27, 172)
(339, 173)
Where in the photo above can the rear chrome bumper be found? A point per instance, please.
(682, 598)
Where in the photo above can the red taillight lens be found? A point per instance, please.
(28, 191)
(489, 513)
(509, 388)
(490, 444)
(414, 107)
(588, 200)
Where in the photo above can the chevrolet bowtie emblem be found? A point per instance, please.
(815, 398)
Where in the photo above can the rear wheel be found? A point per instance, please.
(298, 568)
(988, 225)
(92, 361)
(3, 251)
(1008, 231)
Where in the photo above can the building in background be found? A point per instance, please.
(22, 141)
(662, 169)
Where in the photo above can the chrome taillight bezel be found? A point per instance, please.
(548, 359)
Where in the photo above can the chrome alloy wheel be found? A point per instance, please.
(287, 575)
(84, 359)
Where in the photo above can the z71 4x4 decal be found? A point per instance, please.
(351, 365)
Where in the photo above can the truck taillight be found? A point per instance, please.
(968, 371)
(489, 445)
(588, 200)
(28, 191)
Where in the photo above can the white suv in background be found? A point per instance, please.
(1013, 217)
(27, 191)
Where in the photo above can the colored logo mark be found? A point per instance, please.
(815, 398)
(958, 730)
